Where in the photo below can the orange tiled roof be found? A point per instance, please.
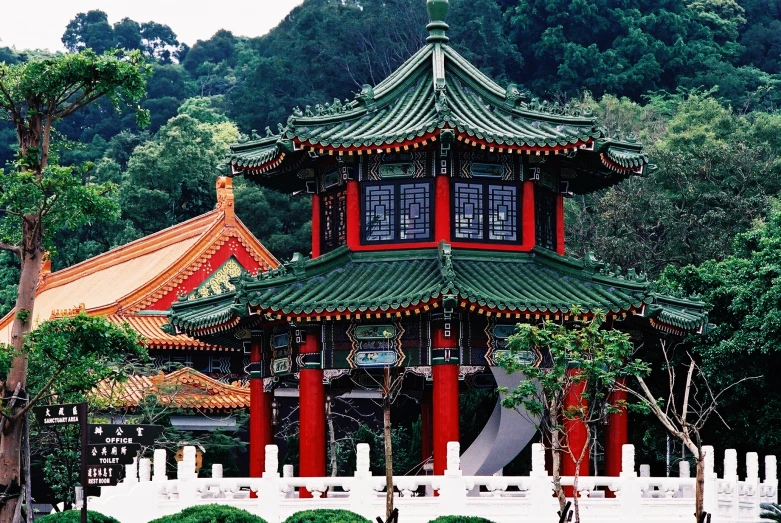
(135, 276)
(150, 327)
(185, 388)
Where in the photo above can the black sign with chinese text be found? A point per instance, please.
(112, 454)
(57, 414)
(103, 475)
(111, 434)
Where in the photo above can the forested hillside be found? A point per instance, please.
(697, 81)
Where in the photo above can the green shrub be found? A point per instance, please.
(211, 514)
(460, 519)
(74, 516)
(770, 512)
(326, 516)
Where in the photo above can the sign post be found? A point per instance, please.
(84, 441)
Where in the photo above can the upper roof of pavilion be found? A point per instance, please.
(438, 95)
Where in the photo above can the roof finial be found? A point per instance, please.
(225, 198)
(437, 28)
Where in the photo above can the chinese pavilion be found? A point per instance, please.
(137, 282)
(437, 226)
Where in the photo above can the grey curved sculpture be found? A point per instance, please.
(504, 436)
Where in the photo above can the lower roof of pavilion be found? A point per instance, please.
(346, 285)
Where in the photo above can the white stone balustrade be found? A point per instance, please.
(499, 498)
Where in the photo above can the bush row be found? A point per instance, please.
(225, 514)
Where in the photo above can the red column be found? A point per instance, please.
(575, 430)
(560, 224)
(260, 428)
(315, 225)
(617, 433)
(528, 232)
(353, 215)
(442, 209)
(444, 397)
(311, 398)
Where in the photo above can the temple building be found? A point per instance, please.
(437, 226)
(136, 284)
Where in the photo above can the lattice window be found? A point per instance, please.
(333, 220)
(545, 217)
(397, 211)
(486, 211)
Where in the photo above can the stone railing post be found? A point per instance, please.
(159, 466)
(729, 487)
(540, 485)
(185, 475)
(770, 484)
(361, 491)
(684, 469)
(627, 487)
(217, 471)
(269, 486)
(287, 472)
(751, 486)
(452, 488)
(131, 472)
(145, 469)
(710, 501)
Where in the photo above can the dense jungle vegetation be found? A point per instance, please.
(697, 81)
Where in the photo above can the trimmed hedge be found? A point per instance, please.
(326, 516)
(460, 519)
(74, 516)
(211, 514)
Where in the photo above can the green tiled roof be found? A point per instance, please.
(435, 91)
(344, 282)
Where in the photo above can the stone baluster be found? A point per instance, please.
(751, 486)
(145, 469)
(540, 485)
(217, 471)
(628, 487)
(452, 491)
(730, 486)
(131, 472)
(645, 471)
(269, 487)
(361, 491)
(771, 471)
(159, 466)
(287, 472)
(684, 469)
(710, 502)
(731, 464)
(538, 460)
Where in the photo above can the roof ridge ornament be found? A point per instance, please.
(437, 28)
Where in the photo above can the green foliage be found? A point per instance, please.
(326, 516)
(743, 291)
(460, 519)
(770, 512)
(73, 516)
(211, 514)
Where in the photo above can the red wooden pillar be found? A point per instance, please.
(576, 432)
(560, 224)
(528, 231)
(353, 215)
(311, 398)
(617, 433)
(442, 209)
(315, 225)
(444, 396)
(260, 418)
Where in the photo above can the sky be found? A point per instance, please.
(191, 20)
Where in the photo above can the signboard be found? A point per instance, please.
(112, 434)
(112, 454)
(57, 414)
(103, 475)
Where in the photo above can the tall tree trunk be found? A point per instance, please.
(386, 414)
(699, 491)
(555, 438)
(11, 438)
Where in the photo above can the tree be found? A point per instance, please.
(89, 30)
(39, 197)
(582, 362)
(67, 358)
(685, 422)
